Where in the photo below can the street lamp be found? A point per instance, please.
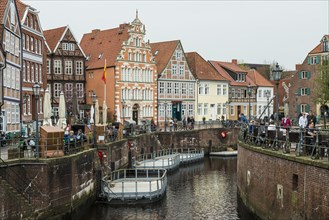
(249, 94)
(165, 105)
(36, 92)
(267, 95)
(276, 73)
(94, 98)
(296, 99)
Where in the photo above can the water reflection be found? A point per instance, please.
(204, 190)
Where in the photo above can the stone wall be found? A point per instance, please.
(278, 186)
(54, 187)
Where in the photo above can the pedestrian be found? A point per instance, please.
(192, 122)
(80, 137)
(189, 122)
(171, 124)
(184, 123)
(302, 122)
(175, 124)
(311, 117)
(286, 123)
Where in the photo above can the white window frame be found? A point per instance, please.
(200, 109)
(57, 67)
(57, 89)
(161, 88)
(79, 67)
(80, 88)
(68, 67)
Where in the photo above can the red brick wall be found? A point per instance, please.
(266, 172)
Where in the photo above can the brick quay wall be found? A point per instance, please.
(278, 186)
(64, 187)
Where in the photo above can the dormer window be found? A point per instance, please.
(100, 56)
(325, 46)
(240, 77)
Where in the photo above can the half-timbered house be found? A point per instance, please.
(66, 71)
(176, 83)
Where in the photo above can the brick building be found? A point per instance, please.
(131, 75)
(33, 68)
(10, 33)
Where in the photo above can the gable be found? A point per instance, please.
(11, 18)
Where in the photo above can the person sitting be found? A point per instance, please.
(80, 137)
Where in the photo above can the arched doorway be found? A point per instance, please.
(135, 113)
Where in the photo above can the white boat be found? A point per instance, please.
(224, 153)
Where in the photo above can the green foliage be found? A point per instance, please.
(321, 87)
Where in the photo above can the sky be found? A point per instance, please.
(249, 31)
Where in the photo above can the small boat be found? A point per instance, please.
(224, 153)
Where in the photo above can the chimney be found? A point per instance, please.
(298, 66)
(95, 31)
(234, 61)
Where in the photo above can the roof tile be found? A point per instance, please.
(52, 36)
(162, 52)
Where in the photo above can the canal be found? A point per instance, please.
(203, 190)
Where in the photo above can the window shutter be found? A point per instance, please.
(317, 59)
(308, 75)
(308, 90)
(307, 108)
(299, 75)
(308, 60)
(299, 91)
(298, 108)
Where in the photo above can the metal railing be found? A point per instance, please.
(135, 184)
(295, 140)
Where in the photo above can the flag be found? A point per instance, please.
(104, 73)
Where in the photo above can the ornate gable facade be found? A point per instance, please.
(176, 83)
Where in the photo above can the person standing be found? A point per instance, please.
(311, 118)
(171, 124)
(286, 123)
(302, 121)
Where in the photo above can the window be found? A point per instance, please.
(69, 90)
(232, 110)
(12, 13)
(36, 72)
(190, 110)
(259, 93)
(176, 88)
(71, 47)
(57, 89)
(41, 104)
(68, 67)
(174, 69)
(205, 109)
(24, 71)
(32, 44)
(224, 89)
(79, 67)
(219, 109)
(181, 69)
(304, 75)
(304, 91)
(304, 108)
(79, 87)
(191, 89)
(57, 66)
(23, 40)
(17, 46)
(232, 93)
(206, 89)
(161, 88)
(199, 109)
(224, 109)
(48, 66)
(325, 46)
(200, 89)
(32, 72)
(183, 109)
(184, 88)
(65, 46)
(28, 102)
(179, 55)
(40, 74)
(161, 111)
(219, 89)
(28, 71)
(169, 91)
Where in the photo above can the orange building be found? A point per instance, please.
(131, 76)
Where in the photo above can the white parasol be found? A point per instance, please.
(104, 113)
(118, 114)
(61, 111)
(92, 112)
(47, 109)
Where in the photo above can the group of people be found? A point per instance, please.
(74, 140)
(187, 123)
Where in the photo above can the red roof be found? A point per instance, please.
(201, 69)
(258, 78)
(162, 52)
(318, 48)
(107, 43)
(53, 36)
(3, 5)
(223, 67)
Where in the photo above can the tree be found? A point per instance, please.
(321, 87)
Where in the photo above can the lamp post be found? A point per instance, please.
(267, 95)
(24, 103)
(296, 99)
(36, 92)
(165, 105)
(94, 98)
(227, 103)
(249, 94)
(276, 73)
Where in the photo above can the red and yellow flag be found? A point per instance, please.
(104, 73)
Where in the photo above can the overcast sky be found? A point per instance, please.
(249, 31)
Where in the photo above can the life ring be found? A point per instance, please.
(223, 134)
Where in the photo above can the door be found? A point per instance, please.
(177, 111)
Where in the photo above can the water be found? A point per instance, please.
(204, 190)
